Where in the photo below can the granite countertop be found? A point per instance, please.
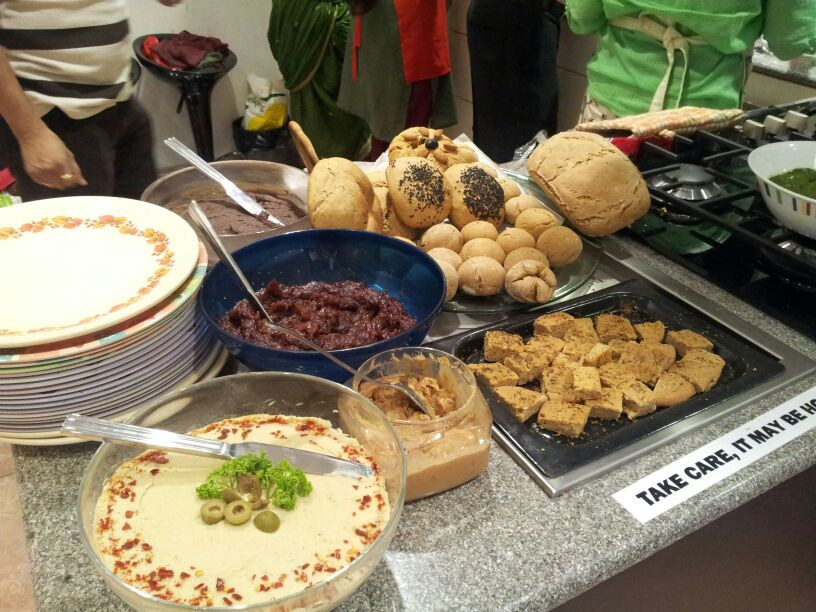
(800, 70)
(497, 542)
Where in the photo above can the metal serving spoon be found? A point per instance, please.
(200, 219)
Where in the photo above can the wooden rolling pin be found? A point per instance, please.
(303, 145)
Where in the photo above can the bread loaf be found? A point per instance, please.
(339, 195)
(591, 181)
(418, 191)
(477, 195)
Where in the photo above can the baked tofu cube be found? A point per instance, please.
(701, 368)
(640, 360)
(654, 331)
(562, 360)
(686, 340)
(664, 355)
(608, 405)
(638, 399)
(563, 418)
(672, 389)
(582, 330)
(499, 345)
(586, 383)
(495, 374)
(598, 355)
(617, 346)
(528, 364)
(614, 375)
(614, 327)
(554, 324)
(549, 344)
(556, 380)
(522, 403)
(575, 350)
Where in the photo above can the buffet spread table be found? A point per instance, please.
(498, 542)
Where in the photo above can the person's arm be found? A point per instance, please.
(790, 27)
(46, 159)
(585, 16)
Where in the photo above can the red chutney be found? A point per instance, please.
(340, 315)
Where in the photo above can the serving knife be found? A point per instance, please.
(131, 435)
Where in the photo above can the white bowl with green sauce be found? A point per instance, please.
(786, 174)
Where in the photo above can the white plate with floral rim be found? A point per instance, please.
(72, 266)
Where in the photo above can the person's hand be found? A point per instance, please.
(48, 161)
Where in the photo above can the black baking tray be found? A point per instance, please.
(746, 366)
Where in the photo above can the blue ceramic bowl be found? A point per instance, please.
(381, 262)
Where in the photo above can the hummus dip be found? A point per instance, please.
(150, 534)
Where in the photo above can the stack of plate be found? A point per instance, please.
(97, 312)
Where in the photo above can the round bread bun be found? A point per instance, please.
(479, 229)
(481, 276)
(530, 281)
(418, 191)
(442, 254)
(430, 144)
(339, 195)
(477, 196)
(516, 204)
(392, 226)
(522, 253)
(515, 238)
(482, 247)
(536, 221)
(442, 235)
(486, 167)
(561, 245)
(510, 188)
(451, 280)
(591, 181)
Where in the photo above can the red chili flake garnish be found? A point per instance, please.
(237, 597)
(305, 565)
(234, 430)
(198, 586)
(156, 456)
(366, 499)
(219, 584)
(224, 433)
(253, 577)
(331, 569)
(244, 434)
(230, 590)
(146, 546)
(126, 526)
(129, 514)
(104, 524)
(154, 471)
(227, 601)
(132, 483)
(165, 573)
(360, 532)
(318, 567)
(184, 575)
(130, 544)
(119, 565)
(335, 554)
(125, 494)
(355, 486)
(264, 577)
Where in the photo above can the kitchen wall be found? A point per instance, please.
(240, 23)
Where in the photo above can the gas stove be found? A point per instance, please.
(708, 215)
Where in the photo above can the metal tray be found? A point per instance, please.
(554, 455)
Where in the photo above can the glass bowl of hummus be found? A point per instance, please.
(143, 524)
(448, 449)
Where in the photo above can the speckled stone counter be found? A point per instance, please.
(496, 543)
(800, 70)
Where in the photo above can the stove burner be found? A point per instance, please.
(799, 271)
(687, 182)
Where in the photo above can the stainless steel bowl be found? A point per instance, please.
(250, 175)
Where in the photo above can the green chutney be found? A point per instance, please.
(800, 180)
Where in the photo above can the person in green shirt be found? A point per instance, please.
(659, 54)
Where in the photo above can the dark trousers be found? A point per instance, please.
(513, 46)
(113, 150)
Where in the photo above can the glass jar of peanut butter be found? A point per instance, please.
(444, 450)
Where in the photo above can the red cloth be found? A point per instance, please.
(423, 28)
(183, 51)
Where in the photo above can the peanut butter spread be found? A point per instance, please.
(149, 532)
(398, 407)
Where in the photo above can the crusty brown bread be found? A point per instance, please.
(419, 193)
(593, 183)
(339, 195)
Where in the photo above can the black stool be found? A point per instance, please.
(196, 87)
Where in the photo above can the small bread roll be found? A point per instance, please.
(339, 195)
(481, 276)
(515, 238)
(419, 193)
(442, 254)
(560, 244)
(451, 279)
(476, 195)
(482, 247)
(516, 204)
(530, 281)
(441, 235)
(510, 188)
(479, 229)
(392, 226)
(536, 221)
(486, 167)
(513, 257)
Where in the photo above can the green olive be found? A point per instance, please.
(212, 511)
(230, 495)
(238, 512)
(248, 484)
(267, 521)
